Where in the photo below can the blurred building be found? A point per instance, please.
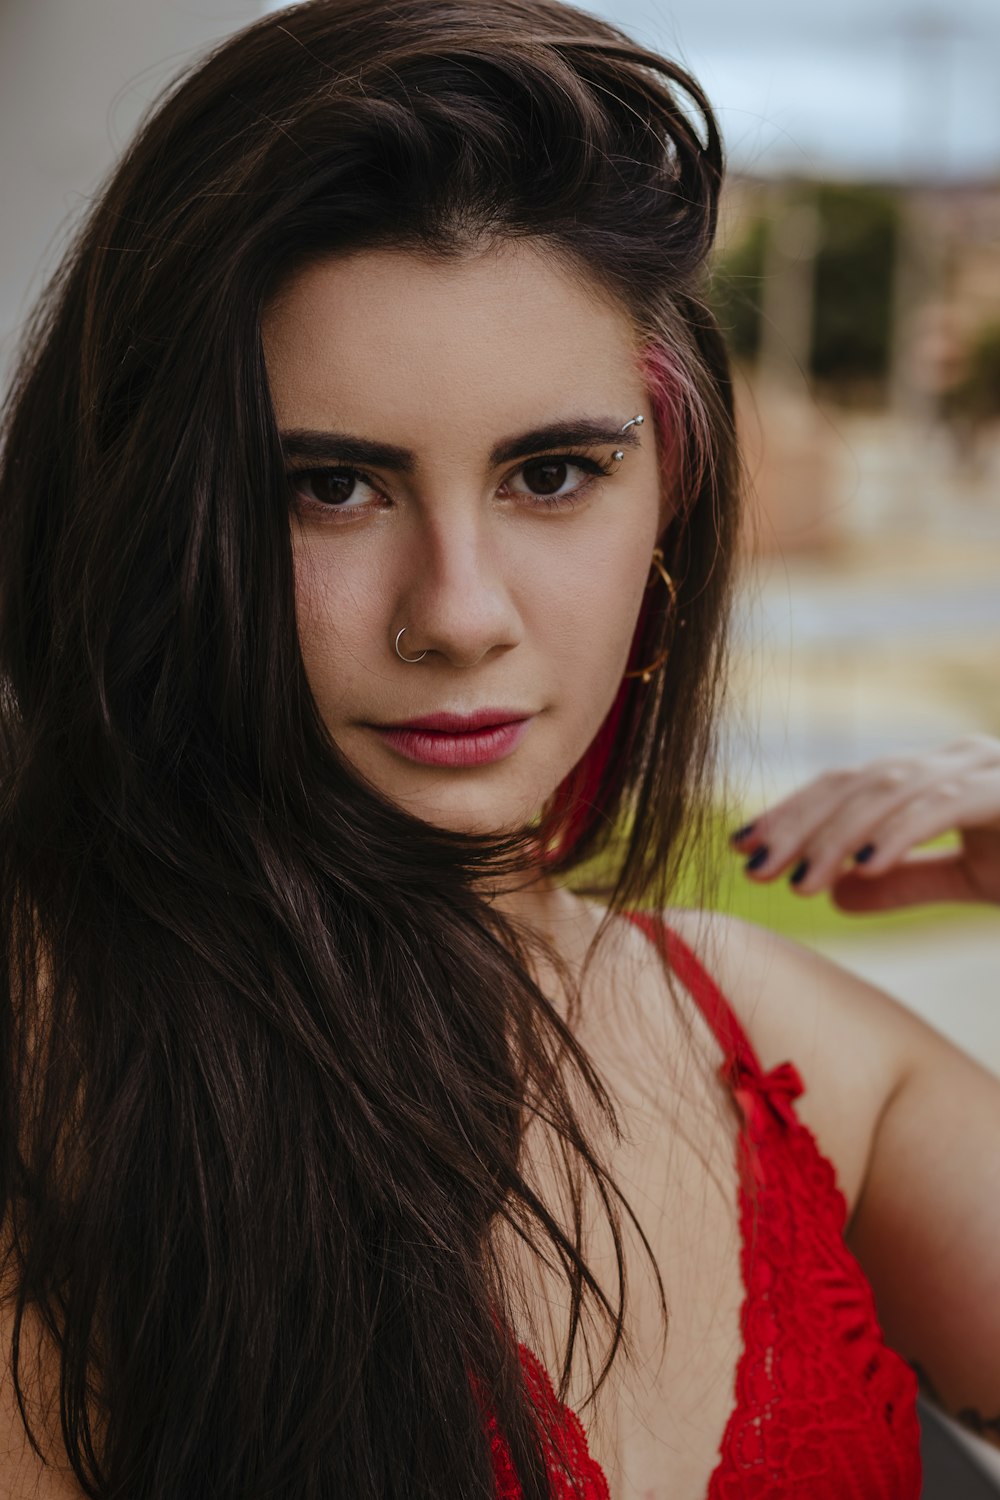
(865, 319)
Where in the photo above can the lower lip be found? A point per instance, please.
(477, 748)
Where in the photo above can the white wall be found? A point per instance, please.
(75, 75)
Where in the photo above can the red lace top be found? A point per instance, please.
(823, 1407)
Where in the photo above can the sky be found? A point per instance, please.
(868, 88)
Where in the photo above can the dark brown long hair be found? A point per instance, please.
(266, 1052)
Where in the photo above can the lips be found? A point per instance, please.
(448, 723)
(457, 740)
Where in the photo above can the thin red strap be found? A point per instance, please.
(710, 1000)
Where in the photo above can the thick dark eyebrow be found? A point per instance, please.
(306, 445)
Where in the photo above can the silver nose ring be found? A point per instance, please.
(407, 658)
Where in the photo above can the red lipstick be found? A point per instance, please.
(456, 740)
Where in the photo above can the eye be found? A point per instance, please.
(343, 490)
(546, 478)
(331, 489)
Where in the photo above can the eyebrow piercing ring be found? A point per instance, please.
(636, 421)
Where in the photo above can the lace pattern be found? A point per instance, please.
(823, 1408)
(573, 1474)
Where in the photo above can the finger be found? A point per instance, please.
(776, 837)
(849, 804)
(919, 881)
(887, 828)
(823, 824)
(818, 795)
(941, 807)
(889, 814)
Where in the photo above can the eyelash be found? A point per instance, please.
(592, 466)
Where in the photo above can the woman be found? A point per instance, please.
(369, 509)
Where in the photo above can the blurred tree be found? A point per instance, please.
(856, 252)
(736, 288)
(854, 274)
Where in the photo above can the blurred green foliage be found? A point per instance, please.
(736, 285)
(854, 276)
(713, 877)
(856, 250)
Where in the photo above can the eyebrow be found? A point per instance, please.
(309, 445)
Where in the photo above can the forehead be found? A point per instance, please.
(419, 345)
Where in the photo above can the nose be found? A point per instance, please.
(455, 603)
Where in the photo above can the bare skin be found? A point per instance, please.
(538, 608)
(656, 1425)
(533, 607)
(522, 600)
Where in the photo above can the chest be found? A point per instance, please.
(656, 1424)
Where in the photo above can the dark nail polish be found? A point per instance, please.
(757, 858)
(799, 872)
(864, 854)
(742, 833)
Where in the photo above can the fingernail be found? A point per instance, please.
(741, 833)
(799, 871)
(865, 853)
(757, 858)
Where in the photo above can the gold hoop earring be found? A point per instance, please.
(646, 673)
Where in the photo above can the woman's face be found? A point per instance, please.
(414, 398)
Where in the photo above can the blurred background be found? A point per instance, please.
(858, 278)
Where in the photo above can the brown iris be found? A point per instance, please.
(552, 476)
(332, 486)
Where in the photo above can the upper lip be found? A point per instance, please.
(461, 723)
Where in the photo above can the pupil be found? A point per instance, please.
(552, 478)
(333, 486)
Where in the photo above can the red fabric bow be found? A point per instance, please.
(759, 1092)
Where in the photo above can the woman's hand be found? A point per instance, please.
(875, 816)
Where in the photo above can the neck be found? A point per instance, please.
(542, 903)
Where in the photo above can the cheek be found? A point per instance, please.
(332, 622)
(311, 607)
(587, 626)
(597, 626)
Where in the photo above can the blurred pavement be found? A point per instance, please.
(891, 646)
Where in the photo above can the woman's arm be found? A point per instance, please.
(912, 1126)
(926, 1223)
(926, 1228)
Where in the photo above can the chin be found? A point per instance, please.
(478, 820)
(469, 809)
(502, 798)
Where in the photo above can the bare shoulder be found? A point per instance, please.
(852, 1043)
